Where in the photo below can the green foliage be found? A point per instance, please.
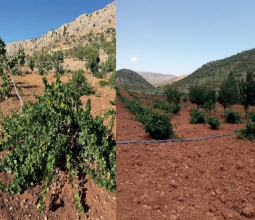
(173, 95)
(247, 90)
(233, 117)
(156, 124)
(251, 115)
(112, 102)
(58, 69)
(5, 87)
(210, 100)
(80, 84)
(109, 65)
(56, 132)
(213, 122)
(197, 96)
(31, 63)
(197, 116)
(92, 59)
(213, 73)
(228, 93)
(248, 132)
(58, 56)
(12, 64)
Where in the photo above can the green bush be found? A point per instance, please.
(213, 122)
(248, 132)
(158, 126)
(176, 109)
(251, 115)
(57, 132)
(233, 117)
(197, 116)
(80, 84)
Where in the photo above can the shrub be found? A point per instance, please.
(213, 122)
(248, 132)
(176, 109)
(251, 115)
(80, 84)
(197, 116)
(57, 132)
(233, 117)
(158, 126)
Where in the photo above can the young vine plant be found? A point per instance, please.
(54, 133)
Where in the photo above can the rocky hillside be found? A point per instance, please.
(155, 77)
(69, 34)
(129, 78)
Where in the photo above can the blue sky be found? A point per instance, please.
(21, 20)
(177, 37)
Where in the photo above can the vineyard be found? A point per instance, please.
(200, 179)
(58, 153)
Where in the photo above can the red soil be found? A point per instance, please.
(210, 179)
(98, 202)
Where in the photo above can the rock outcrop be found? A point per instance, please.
(96, 22)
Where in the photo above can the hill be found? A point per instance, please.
(213, 73)
(77, 32)
(155, 77)
(129, 78)
(170, 81)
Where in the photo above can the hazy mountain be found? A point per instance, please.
(155, 77)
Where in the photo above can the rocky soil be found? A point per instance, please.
(211, 179)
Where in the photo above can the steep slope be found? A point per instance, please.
(155, 77)
(70, 34)
(213, 73)
(129, 78)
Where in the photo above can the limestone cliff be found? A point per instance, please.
(96, 22)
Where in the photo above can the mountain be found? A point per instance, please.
(213, 73)
(169, 82)
(129, 78)
(155, 77)
(70, 34)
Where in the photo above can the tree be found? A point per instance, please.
(210, 100)
(12, 64)
(247, 90)
(92, 57)
(31, 63)
(228, 93)
(173, 95)
(197, 95)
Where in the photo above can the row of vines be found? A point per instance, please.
(57, 132)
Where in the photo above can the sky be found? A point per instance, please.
(22, 20)
(178, 37)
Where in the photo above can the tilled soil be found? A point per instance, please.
(97, 202)
(210, 179)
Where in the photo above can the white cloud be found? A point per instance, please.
(133, 59)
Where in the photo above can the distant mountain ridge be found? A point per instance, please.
(129, 78)
(213, 73)
(96, 22)
(170, 81)
(152, 77)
